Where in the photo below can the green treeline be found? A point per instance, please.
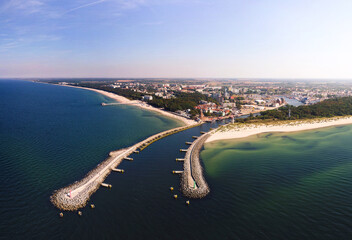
(132, 95)
(182, 101)
(328, 108)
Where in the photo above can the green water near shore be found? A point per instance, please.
(286, 185)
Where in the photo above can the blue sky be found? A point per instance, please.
(176, 38)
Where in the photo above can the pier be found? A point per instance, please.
(128, 158)
(195, 137)
(180, 159)
(76, 195)
(157, 137)
(118, 170)
(193, 184)
(177, 172)
(183, 150)
(189, 143)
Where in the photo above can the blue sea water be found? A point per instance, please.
(268, 186)
(51, 136)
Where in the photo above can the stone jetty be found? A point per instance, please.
(76, 195)
(193, 184)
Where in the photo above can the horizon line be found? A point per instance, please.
(195, 78)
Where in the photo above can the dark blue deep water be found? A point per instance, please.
(270, 186)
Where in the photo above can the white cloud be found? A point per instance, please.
(129, 4)
(120, 4)
(84, 6)
(8, 44)
(14, 9)
(25, 6)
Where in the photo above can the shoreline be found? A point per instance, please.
(137, 103)
(242, 130)
(77, 194)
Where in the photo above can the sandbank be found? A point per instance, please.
(242, 130)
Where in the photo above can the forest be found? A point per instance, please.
(182, 101)
(328, 108)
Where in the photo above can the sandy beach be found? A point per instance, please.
(138, 103)
(241, 130)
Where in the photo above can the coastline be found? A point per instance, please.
(242, 130)
(138, 103)
(77, 195)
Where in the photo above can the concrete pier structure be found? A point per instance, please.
(193, 184)
(76, 195)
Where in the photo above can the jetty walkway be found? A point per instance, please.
(193, 184)
(76, 195)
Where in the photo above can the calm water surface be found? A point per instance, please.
(270, 186)
(285, 186)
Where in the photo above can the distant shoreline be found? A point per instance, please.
(138, 103)
(242, 130)
(77, 195)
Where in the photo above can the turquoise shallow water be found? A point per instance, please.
(286, 186)
(270, 186)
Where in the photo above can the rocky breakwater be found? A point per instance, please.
(193, 184)
(76, 195)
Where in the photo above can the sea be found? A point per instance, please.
(267, 186)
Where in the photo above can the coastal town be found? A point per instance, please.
(210, 103)
(152, 119)
(212, 100)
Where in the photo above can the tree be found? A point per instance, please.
(238, 105)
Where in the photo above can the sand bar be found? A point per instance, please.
(241, 130)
